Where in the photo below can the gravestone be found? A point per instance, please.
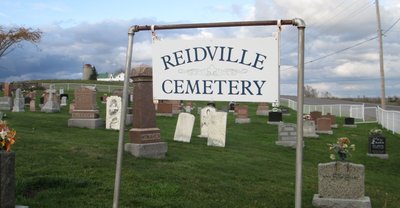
(85, 113)
(287, 135)
(324, 126)
(188, 107)
(71, 107)
(231, 106)
(333, 120)
(176, 106)
(144, 136)
(274, 117)
(164, 109)
(7, 89)
(19, 103)
(32, 106)
(6, 103)
(7, 179)
(63, 101)
(205, 120)
(315, 115)
(51, 102)
(113, 112)
(217, 129)
(309, 129)
(341, 184)
(349, 122)
(262, 109)
(27, 100)
(242, 114)
(285, 111)
(377, 146)
(212, 104)
(184, 127)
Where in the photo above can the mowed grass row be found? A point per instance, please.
(57, 166)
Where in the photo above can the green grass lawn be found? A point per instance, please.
(57, 166)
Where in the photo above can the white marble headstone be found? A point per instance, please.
(204, 120)
(18, 101)
(63, 101)
(217, 129)
(113, 114)
(184, 127)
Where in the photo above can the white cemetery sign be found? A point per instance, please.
(216, 69)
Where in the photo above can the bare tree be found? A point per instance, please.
(11, 38)
(310, 91)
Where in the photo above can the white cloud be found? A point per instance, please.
(355, 69)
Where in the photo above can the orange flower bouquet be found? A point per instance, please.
(341, 150)
(7, 136)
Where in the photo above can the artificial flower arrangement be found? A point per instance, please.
(341, 150)
(7, 136)
(375, 132)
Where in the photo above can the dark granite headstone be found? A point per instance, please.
(349, 121)
(27, 100)
(7, 179)
(274, 116)
(41, 100)
(231, 106)
(211, 104)
(377, 144)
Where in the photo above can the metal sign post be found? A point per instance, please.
(299, 23)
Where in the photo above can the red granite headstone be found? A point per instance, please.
(324, 124)
(163, 107)
(144, 115)
(7, 89)
(315, 114)
(85, 103)
(242, 111)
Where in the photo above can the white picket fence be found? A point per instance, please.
(388, 119)
(73, 86)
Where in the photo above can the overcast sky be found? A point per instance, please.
(342, 54)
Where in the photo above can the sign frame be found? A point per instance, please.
(297, 22)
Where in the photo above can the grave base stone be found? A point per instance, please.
(242, 120)
(6, 103)
(86, 123)
(149, 150)
(363, 202)
(381, 156)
